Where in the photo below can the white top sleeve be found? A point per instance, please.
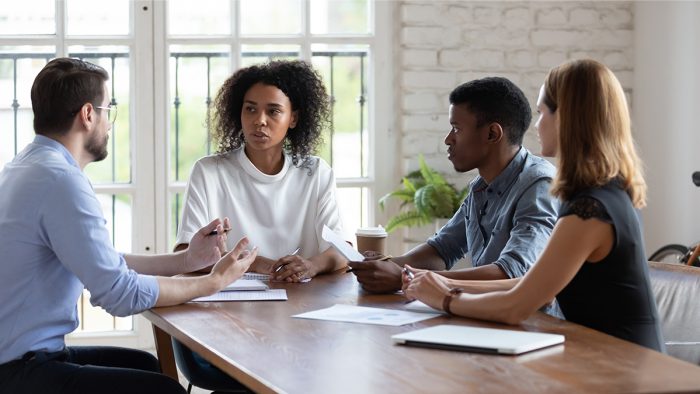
(327, 212)
(195, 213)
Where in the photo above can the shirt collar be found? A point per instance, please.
(254, 172)
(51, 143)
(506, 177)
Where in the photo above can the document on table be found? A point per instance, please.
(265, 277)
(245, 285)
(366, 315)
(256, 276)
(340, 245)
(253, 295)
(418, 306)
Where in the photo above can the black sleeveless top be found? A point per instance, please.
(613, 295)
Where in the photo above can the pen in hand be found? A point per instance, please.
(408, 273)
(215, 232)
(278, 269)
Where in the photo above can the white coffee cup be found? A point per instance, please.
(371, 238)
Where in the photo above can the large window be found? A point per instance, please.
(33, 32)
(166, 61)
(206, 46)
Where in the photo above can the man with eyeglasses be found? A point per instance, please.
(54, 243)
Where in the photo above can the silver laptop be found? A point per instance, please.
(476, 339)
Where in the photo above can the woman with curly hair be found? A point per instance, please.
(594, 263)
(268, 121)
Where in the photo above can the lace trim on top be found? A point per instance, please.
(586, 208)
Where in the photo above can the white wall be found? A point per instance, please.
(666, 115)
(445, 43)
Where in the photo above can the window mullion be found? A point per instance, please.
(60, 28)
(306, 30)
(161, 105)
(236, 32)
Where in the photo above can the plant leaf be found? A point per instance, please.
(435, 201)
(402, 194)
(416, 179)
(443, 198)
(408, 185)
(406, 219)
(431, 176)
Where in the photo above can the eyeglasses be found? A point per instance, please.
(111, 111)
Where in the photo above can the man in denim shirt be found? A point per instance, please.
(508, 216)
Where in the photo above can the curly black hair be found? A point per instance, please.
(296, 79)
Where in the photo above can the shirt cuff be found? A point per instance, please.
(432, 241)
(510, 267)
(149, 289)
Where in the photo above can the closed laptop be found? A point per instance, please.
(477, 339)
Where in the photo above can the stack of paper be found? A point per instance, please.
(246, 289)
(255, 275)
(265, 295)
(246, 285)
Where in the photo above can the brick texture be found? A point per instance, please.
(445, 43)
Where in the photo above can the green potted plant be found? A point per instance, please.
(425, 196)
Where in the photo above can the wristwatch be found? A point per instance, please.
(448, 299)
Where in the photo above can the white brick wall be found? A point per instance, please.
(445, 43)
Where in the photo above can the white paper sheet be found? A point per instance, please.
(245, 285)
(366, 315)
(267, 295)
(265, 277)
(418, 306)
(340, 245)
(256, 276)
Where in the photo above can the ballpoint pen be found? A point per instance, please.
(383, 258)
(216, 232)
(408, 273)
(293, 253)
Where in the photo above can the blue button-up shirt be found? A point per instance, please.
(53, 242)
(507, 222)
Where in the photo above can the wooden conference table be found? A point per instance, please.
(259, 344)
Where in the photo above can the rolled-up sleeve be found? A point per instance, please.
(451, 241)
(74, 227)
(533, 220)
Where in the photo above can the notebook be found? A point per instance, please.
(256, 276)
(245, 285)
(476, 339)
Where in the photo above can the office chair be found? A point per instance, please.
(199, 372)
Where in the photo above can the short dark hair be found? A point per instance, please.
(298, 81)
(496, 99)
(60, 89)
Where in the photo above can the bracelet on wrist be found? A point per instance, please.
(455, 291)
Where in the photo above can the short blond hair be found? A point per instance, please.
(595, 135)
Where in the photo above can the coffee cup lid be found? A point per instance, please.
(371, 231)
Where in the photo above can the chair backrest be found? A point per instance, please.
(676, 288)
(199, 372)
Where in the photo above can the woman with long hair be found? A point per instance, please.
(594, 263)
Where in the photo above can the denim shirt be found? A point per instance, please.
(507, 222)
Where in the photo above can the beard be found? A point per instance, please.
(97, 148)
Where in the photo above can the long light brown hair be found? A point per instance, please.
(595, 136)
